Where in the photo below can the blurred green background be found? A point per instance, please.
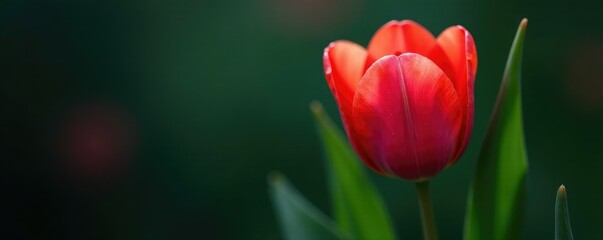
(162, 119)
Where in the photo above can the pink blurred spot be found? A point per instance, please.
(305, 17)
(584, 81)
(98, 140)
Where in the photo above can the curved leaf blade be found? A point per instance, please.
(358, 208)
(299, 219)
(496, 199)
(563, 229)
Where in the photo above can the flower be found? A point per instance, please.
(407, 100)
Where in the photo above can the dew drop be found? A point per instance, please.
(469, 56)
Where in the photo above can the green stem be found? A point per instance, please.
(430, 231)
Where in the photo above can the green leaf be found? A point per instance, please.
(496, 198)
(563, 229)
(358, 208)
(298, 218)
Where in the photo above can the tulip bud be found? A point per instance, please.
(407, 100)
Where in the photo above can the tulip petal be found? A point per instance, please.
(343, 64)
(407, 114)
(459, 47)
(397, 37)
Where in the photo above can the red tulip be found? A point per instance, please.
(407, 100)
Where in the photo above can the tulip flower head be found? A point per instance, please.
(406, 101)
